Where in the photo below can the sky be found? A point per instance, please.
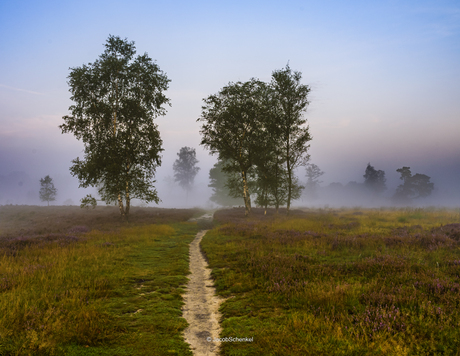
(384, 78)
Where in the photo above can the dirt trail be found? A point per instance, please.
(201, 309)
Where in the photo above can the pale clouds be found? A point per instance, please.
(21, 90)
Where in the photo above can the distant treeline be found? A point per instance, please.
(370, 191)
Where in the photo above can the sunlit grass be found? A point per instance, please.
(340, 282)
(372, 222)
(102, 293)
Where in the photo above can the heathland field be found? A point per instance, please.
(339, 282)
(76, 282)
(319, 282)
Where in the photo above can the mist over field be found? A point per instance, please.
(384, 82)
(19, 187)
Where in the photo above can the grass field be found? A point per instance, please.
(319, 282)
(76, 282)
(339, 282)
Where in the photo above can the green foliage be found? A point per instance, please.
(185, 168)
(219, 181)
(339, 282)
(271, 174)
(116, 98)
(47, 191)
(88, 201)
(291, 101)
(258, 130)
(232, 120)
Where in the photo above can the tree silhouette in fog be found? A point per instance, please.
(374, 179)
(185, 168)
(220, 182)
(413, 187)
(313, 173)
(47, 191)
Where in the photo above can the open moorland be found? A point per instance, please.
(316, 282)
(77, 282)
(338, 282)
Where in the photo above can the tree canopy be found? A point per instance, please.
(291, 101)
(232, 121)
(116, 99)
(258, 130)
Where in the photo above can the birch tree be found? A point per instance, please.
(232, 119)
(291, 102)
(116, 99)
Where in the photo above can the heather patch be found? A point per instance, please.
(372, 282)
(69, 289)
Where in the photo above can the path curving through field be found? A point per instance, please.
(201, 309)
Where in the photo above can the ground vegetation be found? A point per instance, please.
(335, 282)
(76, 282)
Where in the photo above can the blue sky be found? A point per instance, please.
(385, 77)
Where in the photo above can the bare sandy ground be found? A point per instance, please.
(201, 309)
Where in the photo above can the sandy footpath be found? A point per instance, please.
(201, 309)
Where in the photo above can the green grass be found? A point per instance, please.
(95, 293)
(339, 282)
(328, 282)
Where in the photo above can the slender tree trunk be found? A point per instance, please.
(277, 193)
(289, 192)
(246, 197)
(120, 206)
(128, 205)
(265, 199)
(289, 171)
(114, 122)
(128, 200)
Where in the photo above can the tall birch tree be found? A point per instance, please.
(232, 119)
(291, 98)
(116, 99)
